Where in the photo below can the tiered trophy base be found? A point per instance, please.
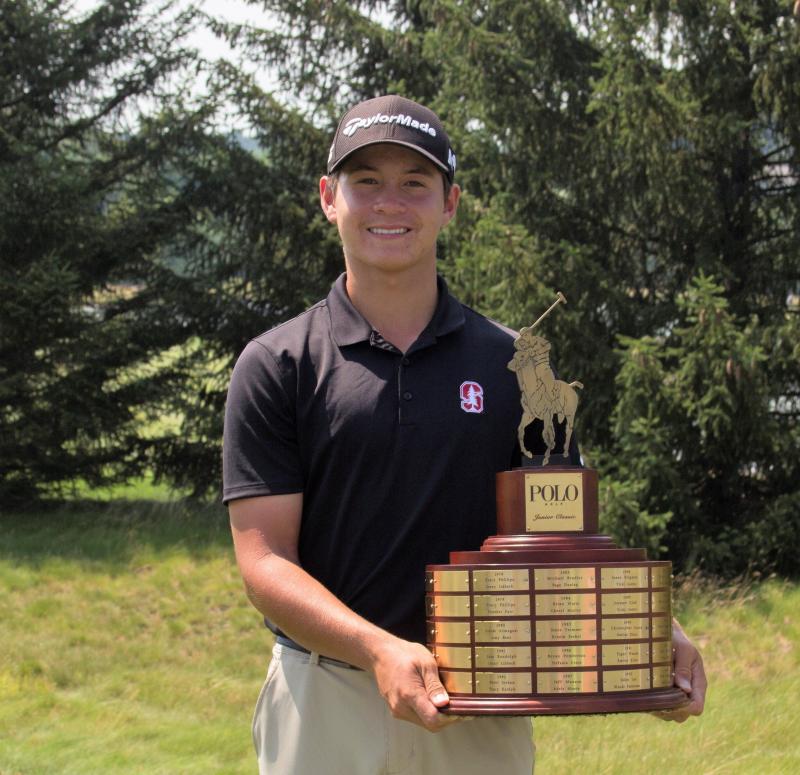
(560, 624)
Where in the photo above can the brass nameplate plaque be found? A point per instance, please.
(661, 601)
(662, 576)
(622, 578)
(447, 581)
(563, 578)
(566, 605)
(503, 632)
(453, 656)
(662, 651)
(662, 676)
(503, 683)
(501, 580)
(566, 656)
(502, 656)
(502, 605)
(448, 632)
(457, 683)
(626, 654)
(447, 605)
(626, 629)
(626, 602)
(566, 629)
(553, 502)
(626, 680)
(662, 627)
(567, 683)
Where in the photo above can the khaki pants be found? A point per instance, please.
(317, 718)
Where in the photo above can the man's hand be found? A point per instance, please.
(689, 676)
(408, 679)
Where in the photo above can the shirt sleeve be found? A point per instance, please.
(260, 451)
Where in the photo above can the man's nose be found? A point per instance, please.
(389, 200)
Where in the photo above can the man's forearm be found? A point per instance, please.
(405, 672)
(312, 615)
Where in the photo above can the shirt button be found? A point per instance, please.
(408, 395)
(406, 361)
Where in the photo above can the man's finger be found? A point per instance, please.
(434, 687)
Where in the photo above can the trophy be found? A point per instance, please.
(550, 617)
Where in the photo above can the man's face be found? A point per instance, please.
(389, 206)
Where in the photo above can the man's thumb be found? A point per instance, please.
(435, 689)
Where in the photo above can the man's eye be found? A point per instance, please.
(416, 183)
(369, 181)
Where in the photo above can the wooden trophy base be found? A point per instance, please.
(646, 701)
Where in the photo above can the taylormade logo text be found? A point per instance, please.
(354, 124)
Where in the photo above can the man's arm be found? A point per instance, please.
(265, 536)
(690, 675)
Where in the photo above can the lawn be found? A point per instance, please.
(128, 647)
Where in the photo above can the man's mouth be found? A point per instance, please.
(379, 230)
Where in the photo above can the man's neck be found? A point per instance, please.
(398, 306)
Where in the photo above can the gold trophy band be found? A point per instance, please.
(479, 654)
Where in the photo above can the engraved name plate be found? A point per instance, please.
(621, 578)
(567, 683)
(626, 654)
(503, 631)
(453, 656)
(662, 627)
(503, 656)
(661, 576)
(626, 680)
(662, 651)
(448, 632)
(563, 578)
(447, 581)
(503, 683)
(566, 656)
(566, 629)
(565, 605)
(553, 502)
(501, 580)
(456, 683)
(660, 601)
(502, 605)
(626, 629)
(662, 677)
(625, 602)
(447, 605)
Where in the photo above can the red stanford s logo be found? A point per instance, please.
(471, 397)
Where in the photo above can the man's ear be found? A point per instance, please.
(451, 204)
(327, 198)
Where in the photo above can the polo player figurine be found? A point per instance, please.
(542, 395)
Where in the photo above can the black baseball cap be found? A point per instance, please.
(393, 119)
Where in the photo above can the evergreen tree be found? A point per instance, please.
(92, 121)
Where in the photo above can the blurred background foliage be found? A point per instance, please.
(640, 156)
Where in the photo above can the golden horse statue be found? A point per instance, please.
(542, 395)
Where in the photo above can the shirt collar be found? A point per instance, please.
(349, 326)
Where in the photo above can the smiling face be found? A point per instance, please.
(389, 205)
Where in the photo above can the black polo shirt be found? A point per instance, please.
(395, 454)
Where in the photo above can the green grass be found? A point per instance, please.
(127, 646)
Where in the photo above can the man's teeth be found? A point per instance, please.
(388, 231)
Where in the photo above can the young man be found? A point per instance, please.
(353, 457)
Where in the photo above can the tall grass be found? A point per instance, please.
(127, 646)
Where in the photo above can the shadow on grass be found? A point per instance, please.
(107, 534)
